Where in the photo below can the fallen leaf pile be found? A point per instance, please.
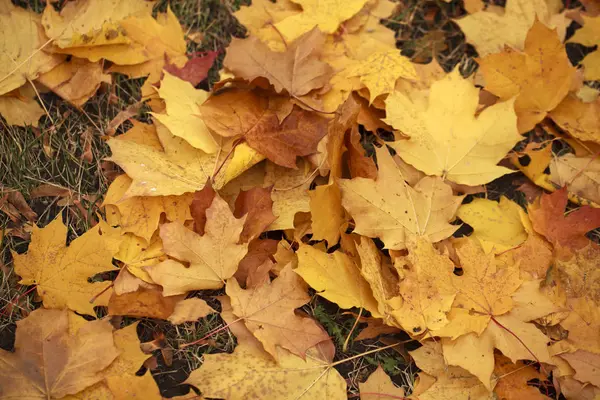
(261, 188)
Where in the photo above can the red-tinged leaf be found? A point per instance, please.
(202, 200)
(259, 251)
(549, 219)
(195, 70)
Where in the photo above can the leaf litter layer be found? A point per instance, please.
(309, 212)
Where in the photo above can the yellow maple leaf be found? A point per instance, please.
(249, 373)
(497, 225)
(20, 56)
(426, 287)
(380, 71)
(388, 208)
(517, 340)
(579, 118)
(182, 116)
(61, 273)
(290, 192)
(490, 32)
(175, 167)
(335, 277)
(120, 377)
(446, 139)
(213, 257)
(20, 110)
(92, 22)
(384, 283)
(589, 35)
(540, 77)
(379, 386)
(449, 382)
(268, 312)
(260, 17)
(140, 215)
(581, 175)
(78, 359)
(327, 15)
(75, 80)
(327, 213)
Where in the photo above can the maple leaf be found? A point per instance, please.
(77, 361)
(449, 382)
(259, 252)
(200, 203)
(290, 192)
(213, 257)
(140, 215)
(465, 149)
(75, 80)
(260, 17)
(581, 175)
(515, 339)
(249, 115)
(327, 15)
(136, 253)
(268, 312)
(548, 219)
(513, 378)
(195, 69)
(540, 77)
(61, 273)
(190, 310)
(120, 376)
(336, 277)
(20, 59)
(297, 70)
(327, 213)
(174, 167)
(497, 225)
(144, 303)
(257, 205)
(426, 288)
(91, 22)
(589, 35)
(248, 373)
(20, 109)
(380, 71)
(384, 283)
(579, 118)
(586, 366)
(578, 278)
(379, 386)
(388, 208)
(490, 32)
(182, 116)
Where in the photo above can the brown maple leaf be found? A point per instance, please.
(297, 70)
(253, 117)
(268, 312)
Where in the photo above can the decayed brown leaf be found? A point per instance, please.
(51, 360)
